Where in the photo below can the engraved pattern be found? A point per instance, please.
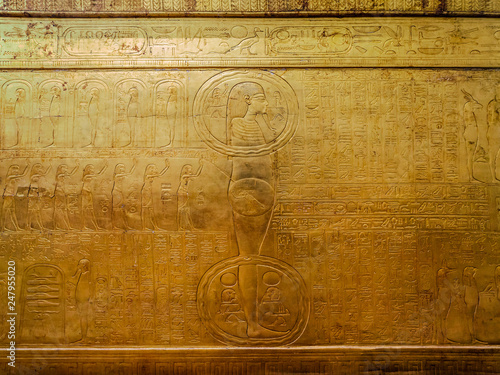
(374, 186)
(251, 7)
(330, 201)
(356, 42)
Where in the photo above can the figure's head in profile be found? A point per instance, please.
(150, 170)
(83, 265)
(62, 169)
(88, 170)
(246, 114)
(21, 94)
(119, 169)
(468, 275)
(13, 170)
(186, 170)
(94, 93)
(36, 169)
(56, 91)
(247, 97)
(134, 93)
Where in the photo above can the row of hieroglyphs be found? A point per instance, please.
(355, 125)
(344, 177)
(175, 42)
(141, 7)
(365, 286)
(191, 194)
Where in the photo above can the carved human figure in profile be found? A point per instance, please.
(470, 130)
(251, 191)
(83, 296)
(471, 297)
(87, 195)
(245, 127)
(248, 124)
(55, 114)
(93, 113)
(133, 115)
(493, 132)
(167, 113)
(20, 117)
(61, 217)
(184, 221)
(34, 219)
(12, 179)
(147, 207)
(497, 281)
(118, 212)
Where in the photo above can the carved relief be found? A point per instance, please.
(277, 316)
(207, 207)
(294, 42)
(318, 7)
(43, 307)
(249, 131)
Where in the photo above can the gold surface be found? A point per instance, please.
(86, 8)
(259, 42)
(337, 218)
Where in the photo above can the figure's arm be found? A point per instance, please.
(104, 167)
(491, 112)
(199, 169)
(25, 172)
(75, 169)
(268, 123)
(167, 165)
(133, 167)
(48, 170)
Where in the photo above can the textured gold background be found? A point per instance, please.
(128, 200)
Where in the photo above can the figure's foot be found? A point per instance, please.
(257, 331)
(476, 341)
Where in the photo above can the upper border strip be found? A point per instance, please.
(267, 43)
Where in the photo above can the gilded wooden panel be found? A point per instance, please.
(83, 8)
(311, 220)
(259, 42)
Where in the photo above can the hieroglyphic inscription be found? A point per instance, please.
(251, 7)
(315, 42)
(148, 208)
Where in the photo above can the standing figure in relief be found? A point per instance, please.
(34, 220)
(60, 217)
(147, 206)
(493, 132)
(20, 116)
(93, 114)
(184, 221)
(119, 213)
(82, 296)
(9, 196)
(443, 302)
(133, 115)
(470, 132)
(172, 110)
(252, 185)
(88, 213)
(471, 297)
(55, 114)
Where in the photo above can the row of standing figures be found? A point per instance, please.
(475, 152)
(167, 109)
(60, 196)
(463, 313)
